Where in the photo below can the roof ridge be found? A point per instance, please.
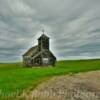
(31, 49)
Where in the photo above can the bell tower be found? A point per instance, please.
(43, 42)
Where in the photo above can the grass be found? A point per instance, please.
(14, 78)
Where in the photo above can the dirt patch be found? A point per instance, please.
(82, 86)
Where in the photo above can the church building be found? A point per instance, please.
(39, 55)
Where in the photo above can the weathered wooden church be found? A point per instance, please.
(39, 55)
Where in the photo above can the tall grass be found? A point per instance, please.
(15, 78)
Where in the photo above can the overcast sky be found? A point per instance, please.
(72, 25)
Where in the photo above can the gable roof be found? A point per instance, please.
(52, 54)
(41, 52)
(31, 51)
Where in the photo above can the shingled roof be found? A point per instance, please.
(31, 51)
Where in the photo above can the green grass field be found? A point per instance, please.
(14, 78)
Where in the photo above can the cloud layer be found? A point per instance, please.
(72, 25)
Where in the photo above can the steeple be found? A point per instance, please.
(43, 42)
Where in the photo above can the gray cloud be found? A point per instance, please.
(73, 26)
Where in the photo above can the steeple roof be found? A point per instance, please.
(43, 36)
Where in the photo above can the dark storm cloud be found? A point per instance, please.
(73, 26)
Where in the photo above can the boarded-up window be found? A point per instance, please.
(45, 60)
